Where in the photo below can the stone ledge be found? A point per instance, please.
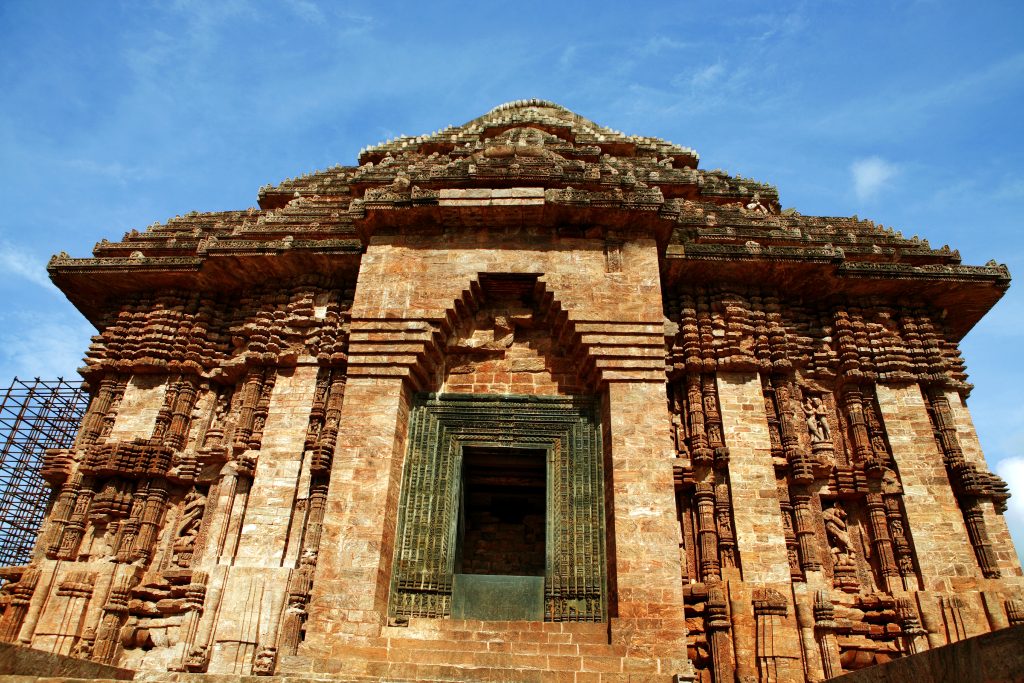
(995, 657)
(24, 662)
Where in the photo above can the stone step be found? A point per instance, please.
(509, 647)
(407, 662)
(536, 631)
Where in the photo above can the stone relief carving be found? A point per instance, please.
(838, 536)
(817, 420)
(188, 527)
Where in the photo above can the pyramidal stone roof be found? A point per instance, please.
(533, 163)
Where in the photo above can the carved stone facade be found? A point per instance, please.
(729, 441)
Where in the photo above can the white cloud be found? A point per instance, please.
(707, 76)
(1009, 189)
(1012, 470)
(658, 44)
(568, 56)
(870, 174)
(17, 262)
(890, 112)
(34, 345)
(306, 10)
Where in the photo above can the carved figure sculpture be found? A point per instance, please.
(838, 536)
(188, 527)
(817, 420)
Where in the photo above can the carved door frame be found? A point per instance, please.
(440, 425)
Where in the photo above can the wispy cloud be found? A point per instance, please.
(568, 56)
(17, 262)
(888, 113)
(48, 346)
(708, 75)
(870, 175)
(1012, 470)
(658, 44)
(309, 11)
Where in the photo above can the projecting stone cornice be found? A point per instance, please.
(535, 168)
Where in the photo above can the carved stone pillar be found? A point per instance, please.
(259, 418)
(769, 612)
(115, 612)
(129, 529)
(700, 450)
(931, 619)
(314, 520)
(789, 529)
(716, 621)
(913, 635)
(853, 403)
(149, 525)
(197, 653)
(900, 543)
(17, 608)
(62, 514)
(92, 423)
(726, 537)
(1015, 612)
(824, 632)
(882, 544)
(959, 472)
(974, 517)
(75, 527)
(181, 413)
(195, 596)
(78, 588)
(713, 422)
(801, 467)
(953, 614)
(707, 533)
(805, 530)
(299, 586)
(248, 398)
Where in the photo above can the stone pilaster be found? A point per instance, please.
(759, 531)
(944, 552)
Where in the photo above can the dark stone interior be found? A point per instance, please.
(504, 495)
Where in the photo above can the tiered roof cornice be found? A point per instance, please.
(531, 163)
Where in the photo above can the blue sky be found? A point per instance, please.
(115, 115)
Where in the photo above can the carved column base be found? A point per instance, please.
(844, 578)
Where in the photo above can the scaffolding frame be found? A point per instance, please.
(34, 416)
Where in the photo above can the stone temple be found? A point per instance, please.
(525, 399)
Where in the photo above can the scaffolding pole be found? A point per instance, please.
(34, 416)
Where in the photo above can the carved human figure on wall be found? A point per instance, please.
(188, 527)
(215, 434)
(755, 205)
(817, 420)
(838, 536)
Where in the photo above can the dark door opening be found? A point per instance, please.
(504, 511)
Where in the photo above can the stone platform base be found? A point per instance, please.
(996, 657)
(23, 663)
(472, 650)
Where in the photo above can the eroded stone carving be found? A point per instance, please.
(817, 420)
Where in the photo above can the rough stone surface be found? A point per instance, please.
(18, 662)
(990, 658)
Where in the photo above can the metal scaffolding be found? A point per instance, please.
(34, 416)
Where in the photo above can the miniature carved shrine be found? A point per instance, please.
(523, 395)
